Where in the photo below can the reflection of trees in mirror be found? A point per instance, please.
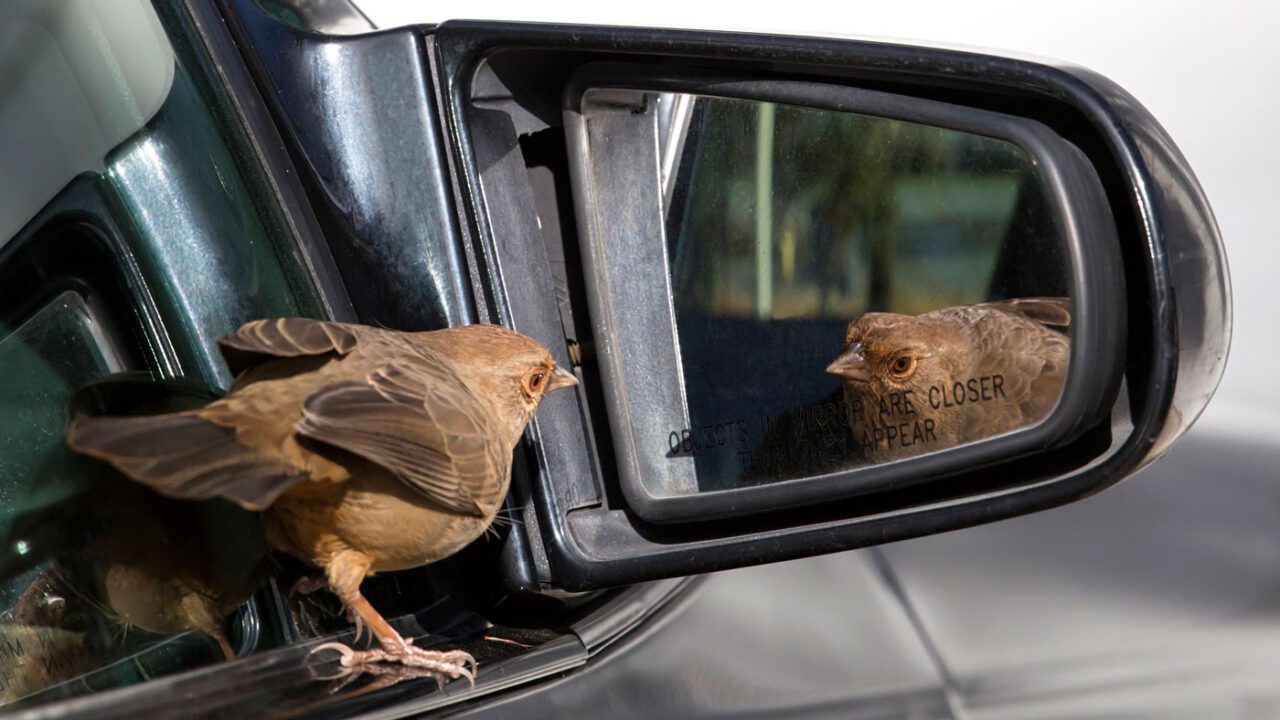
(923, 383)
(866, 213)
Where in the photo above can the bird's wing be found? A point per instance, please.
(261, 340)
(415, 417)
(1032, 362)
(1052, 311)
(241, 447)
(185, 456)
(419, 420)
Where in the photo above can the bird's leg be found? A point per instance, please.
(346, 571)
(202, 616)
(228, 652)
(395, 648)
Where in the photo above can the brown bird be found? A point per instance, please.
(916, 384)
(368, 450)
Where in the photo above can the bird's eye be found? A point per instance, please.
(903, 366)
(533, 382)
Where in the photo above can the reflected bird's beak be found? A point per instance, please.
(851, 364)
(561, 378)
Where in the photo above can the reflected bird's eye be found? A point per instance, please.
(903, 366)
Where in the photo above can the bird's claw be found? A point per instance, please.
(453, 664)
(344, 653)
(304, 586)
(358, 622)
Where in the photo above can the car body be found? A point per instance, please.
(1152, 599)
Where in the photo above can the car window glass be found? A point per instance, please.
(79, 78)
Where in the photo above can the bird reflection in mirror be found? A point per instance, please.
(111, 570)
(919, 383)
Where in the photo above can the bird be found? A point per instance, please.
(366, 449)
(921, 383)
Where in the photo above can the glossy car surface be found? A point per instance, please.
(1158, 598)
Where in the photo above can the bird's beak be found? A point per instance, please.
(851, 364)
(561, 378)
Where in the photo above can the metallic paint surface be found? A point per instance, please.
(200, 242)
(361, 114)
(820, 637)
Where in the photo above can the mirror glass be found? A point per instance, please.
(845, 289)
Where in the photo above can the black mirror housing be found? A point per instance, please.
(1149, 285)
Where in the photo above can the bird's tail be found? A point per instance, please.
(183, 455)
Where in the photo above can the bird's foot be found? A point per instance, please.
(382, 675)
(309, 609)
(305, 586)
(452, 664)
(355, 619)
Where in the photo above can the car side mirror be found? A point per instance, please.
(822, 294)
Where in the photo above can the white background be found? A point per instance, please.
(1209, 72)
